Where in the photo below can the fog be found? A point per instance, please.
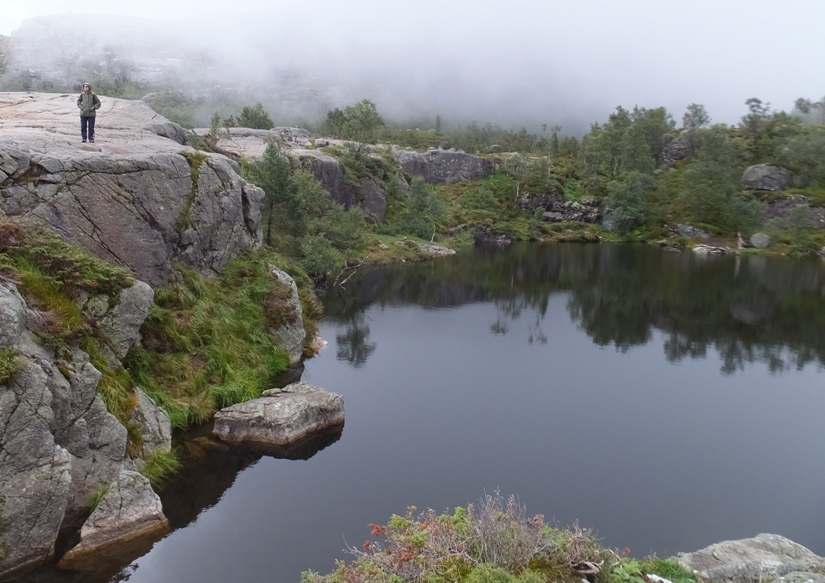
(519, 63)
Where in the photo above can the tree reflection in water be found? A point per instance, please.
(749, 309)
(352, 342)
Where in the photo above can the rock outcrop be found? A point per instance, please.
(795, 211)
(556, 209)
(128, 511)
(437, 166)
(289, 329)
(766, 557)
(764, 177)
(58, 442)
(279, 416)
(134, 198)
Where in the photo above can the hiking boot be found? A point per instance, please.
(83, 141)
(92, 140)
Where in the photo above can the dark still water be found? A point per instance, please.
(666, 400)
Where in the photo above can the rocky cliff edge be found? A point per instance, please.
(138, 197)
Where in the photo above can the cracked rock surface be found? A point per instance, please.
(279, 416)
(135, 197)
(58, 442)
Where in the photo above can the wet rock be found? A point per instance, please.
(12, 315)
(760, 240)
(129, 510)
(486, 235)
(438, 166)
(154, 424)
(285, 308)
(709, 250)
(435, 250)
(762, 558)
(764, 177)
(279, 417)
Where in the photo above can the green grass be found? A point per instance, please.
(205, 343)
(9, 364)
(96, 496)
(160, 466)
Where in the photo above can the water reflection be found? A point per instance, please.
(750, 309)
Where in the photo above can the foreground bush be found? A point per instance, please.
(494, 541)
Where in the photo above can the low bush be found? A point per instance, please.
(494, 541)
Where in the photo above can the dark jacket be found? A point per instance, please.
(88, 103)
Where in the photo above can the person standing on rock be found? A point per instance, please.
(88, 103)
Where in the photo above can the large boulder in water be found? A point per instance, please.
(765, 557)
(279, 416)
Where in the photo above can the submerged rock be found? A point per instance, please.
(764, 557)
(279, 416)
(129, 511)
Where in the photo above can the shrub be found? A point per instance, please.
(319, 257)
(493, 541)
(255, 117)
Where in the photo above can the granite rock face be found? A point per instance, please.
(58, 442)
(279, 416)
(134, 198)
(154, 423)
(290, 332)
(129, 510)
(121, 322)
(764, 177)
(764, 557)
(12, 315)
(443, 166)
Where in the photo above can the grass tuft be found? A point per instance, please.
(95, 497)
(160, 466)
(205, 342)
(9, 364)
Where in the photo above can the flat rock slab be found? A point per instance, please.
(279, 417)
(765, 557)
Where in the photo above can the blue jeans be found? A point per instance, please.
(87, 121)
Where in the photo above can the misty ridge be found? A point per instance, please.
(300, 68)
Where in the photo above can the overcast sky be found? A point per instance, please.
(543, 61)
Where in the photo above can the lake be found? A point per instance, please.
(666, 400)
